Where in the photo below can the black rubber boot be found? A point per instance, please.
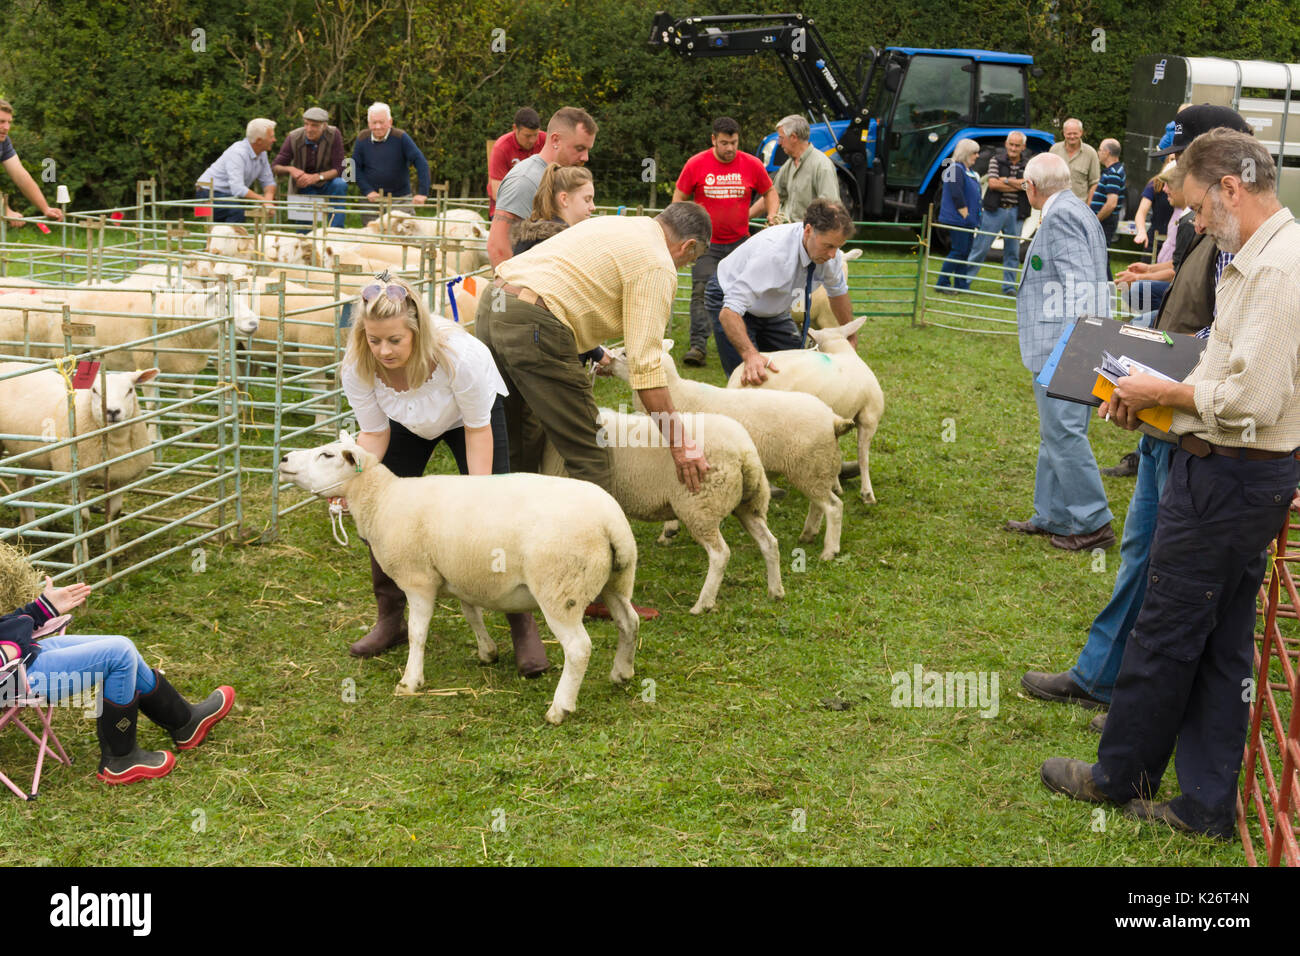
(121, 761)
(390, 628)
(530, 655)
(187, 723)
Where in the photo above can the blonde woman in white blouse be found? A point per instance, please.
(414, 381)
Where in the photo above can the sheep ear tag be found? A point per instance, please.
(84, 376)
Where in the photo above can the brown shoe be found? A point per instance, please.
(1127, 467)
(1072, 778)
(1024, 527)
(390, 629)
(1061, 688)
(695, 356)
(530, 655)
(1103, 537)
(1098, 724)
(1163, 813)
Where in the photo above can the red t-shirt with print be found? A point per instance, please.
(725, 190)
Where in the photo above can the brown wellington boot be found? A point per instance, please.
(530, 655)
(390, 628)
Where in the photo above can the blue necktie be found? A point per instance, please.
(807, 304)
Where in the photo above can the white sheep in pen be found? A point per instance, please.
(516, 542)
(36, 404)
(464, 231)
(838, 376)
(644, 482)
(140, 309)
(795, 435)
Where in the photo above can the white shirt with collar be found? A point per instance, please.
(438, 405)
(768, 271)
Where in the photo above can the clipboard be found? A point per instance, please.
(1075, 376)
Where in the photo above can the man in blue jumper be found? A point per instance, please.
(383, 156)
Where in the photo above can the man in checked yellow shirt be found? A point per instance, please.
(1186, 671)
(605, 278)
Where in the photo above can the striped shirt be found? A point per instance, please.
(605, 278)
(1112, 182)
(1247, 384)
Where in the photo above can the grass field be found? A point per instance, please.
(762, 733)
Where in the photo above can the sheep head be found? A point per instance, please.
(326, 471)
(618, 363)
(836, 339)
(112, 396)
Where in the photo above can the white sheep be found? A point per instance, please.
(172, 309)
(464, 233)
(517, 542)
(838, 376)
(644, 482)
(36, 404)
(795, 435)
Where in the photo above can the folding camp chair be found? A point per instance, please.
(15, 696)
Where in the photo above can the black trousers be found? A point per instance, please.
(408, 454)
(1186, 672)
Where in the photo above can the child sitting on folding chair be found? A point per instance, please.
(129, 685)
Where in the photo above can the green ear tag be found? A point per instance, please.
(358, 466)
(1036, 262)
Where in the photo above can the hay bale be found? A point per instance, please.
(19, 582)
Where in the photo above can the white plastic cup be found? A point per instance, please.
(61, 195)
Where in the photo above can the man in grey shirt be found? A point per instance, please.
(806, 175)
(569, 136)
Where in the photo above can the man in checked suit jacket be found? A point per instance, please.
(1065, 276)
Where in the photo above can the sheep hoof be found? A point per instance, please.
(620, 676)
(868, 498)
(555, 715)
(700, 608)
(776, 594)
(828, 554)
(805, 536)
(487, 658)
(404, 690)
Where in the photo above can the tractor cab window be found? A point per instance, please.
(933, 103)
(1002, 96)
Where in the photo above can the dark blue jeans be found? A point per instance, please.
(955, 266)
(228, 211)
(1099, 661)
(769, 333)
(1186, 672)
(336, 189)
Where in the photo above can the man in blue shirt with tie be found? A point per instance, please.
(749, 298)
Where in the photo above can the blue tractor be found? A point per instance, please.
(892, 130)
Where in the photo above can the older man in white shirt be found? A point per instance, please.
(233, 174)
(749, 298)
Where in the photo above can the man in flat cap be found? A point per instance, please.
(312, 158)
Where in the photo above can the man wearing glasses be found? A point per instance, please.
(1186, 671)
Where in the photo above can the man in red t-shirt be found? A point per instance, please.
(524, 139)
(721, 180)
